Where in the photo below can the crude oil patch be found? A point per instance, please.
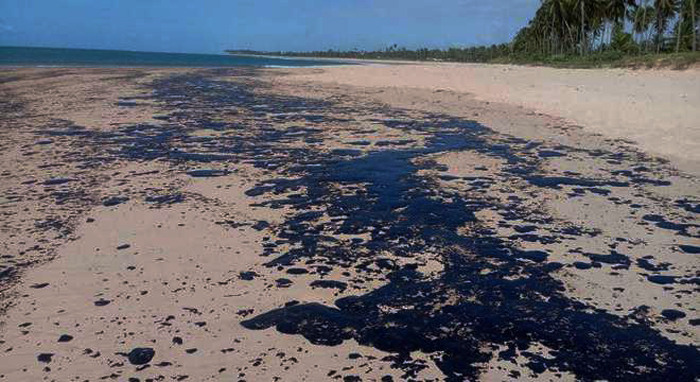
(490, 294)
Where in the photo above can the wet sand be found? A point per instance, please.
(173, 224)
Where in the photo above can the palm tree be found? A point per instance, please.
(597, 18)
(683, 26)
(665, 11)
(690, 6)
(679, 26)
(616, 11)
(558, 13)
(559, 26)
(583, 28)
(643, 18)
(693, 12)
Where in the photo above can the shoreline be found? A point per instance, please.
(274, 224)
(390, 61)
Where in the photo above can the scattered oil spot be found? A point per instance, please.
(141, 356)
(489, 291)
(692, 249)
(672, 314)
(65, 338)
(207, 173)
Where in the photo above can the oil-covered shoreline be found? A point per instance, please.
(201, 207)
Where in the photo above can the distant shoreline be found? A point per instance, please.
(348, 60)
(681, 61)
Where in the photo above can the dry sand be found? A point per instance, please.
(657, 109)
(107, 238)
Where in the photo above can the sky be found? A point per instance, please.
(212, 26)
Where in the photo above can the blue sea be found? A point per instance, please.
(59, 57)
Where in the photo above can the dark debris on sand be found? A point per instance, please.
(492, 300)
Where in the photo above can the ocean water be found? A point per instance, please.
(59, 57)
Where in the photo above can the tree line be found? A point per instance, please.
(630, 26)
(566, 28)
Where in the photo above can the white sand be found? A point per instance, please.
(658, 109)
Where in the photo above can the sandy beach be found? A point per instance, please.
(357, 223)
(656, 109)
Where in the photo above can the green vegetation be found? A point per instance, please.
(573, 33)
